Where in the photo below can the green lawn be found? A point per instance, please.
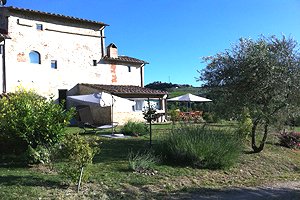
(111, 176)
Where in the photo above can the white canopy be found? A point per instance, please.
(189, 98)
(103, 99)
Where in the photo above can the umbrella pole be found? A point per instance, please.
(112, 115)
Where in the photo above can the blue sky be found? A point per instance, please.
(173, 35)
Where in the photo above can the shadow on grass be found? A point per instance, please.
(12, 164)
(118, 149)
(11, 180)
(249, 152)
(258, 193)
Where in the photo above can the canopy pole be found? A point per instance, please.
(150, 123)
(112, 115)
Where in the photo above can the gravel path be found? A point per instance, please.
(285, 191)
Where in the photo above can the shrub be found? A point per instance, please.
(38, 155)
(245, 124)
(174, 114)
(149, 113)
(210, 117)
(141, 161)
(201, 147)
(135, 128)
(28, 120)
(290, 139)
(79, 154)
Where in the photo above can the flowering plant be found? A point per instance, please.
(290, 139)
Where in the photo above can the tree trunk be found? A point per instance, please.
(255, 148)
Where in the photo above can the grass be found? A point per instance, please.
(201, 147)
(141, 161)
(111, 177)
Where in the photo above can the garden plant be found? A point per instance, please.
(32, 124)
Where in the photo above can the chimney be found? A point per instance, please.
(112, 51)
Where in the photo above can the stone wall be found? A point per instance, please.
(74, 47)
(123, 117)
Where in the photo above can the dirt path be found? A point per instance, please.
(285, 191)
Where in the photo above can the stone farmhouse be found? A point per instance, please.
(59, 55)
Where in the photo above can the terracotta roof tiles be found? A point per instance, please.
(124, 59)
(126, 90)
(11, 8)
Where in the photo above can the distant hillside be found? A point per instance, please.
(174, 92)
(176, 89)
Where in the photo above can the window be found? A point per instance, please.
(94, 62)
(35, 57)
(129, 68)
(39, 27)
(139, 105)
(54, 64)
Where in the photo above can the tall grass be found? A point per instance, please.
(201, 147)
(141, 161)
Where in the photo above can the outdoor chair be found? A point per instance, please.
(86, 121)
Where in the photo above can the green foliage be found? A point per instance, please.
(141, 161)
(210, 117)
(290, 139)
(135, 128)
(174, 114)
(38, 155)
(158, 85)
(78, 152)
(201, 147)
(262, 75)
(245, 124)
(29, 120)
(149, 113)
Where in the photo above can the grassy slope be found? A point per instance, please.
(110, 174)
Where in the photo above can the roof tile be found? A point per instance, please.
(12, 8)
(125, 59)
(126, 89)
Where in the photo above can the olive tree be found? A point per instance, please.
(262, 75)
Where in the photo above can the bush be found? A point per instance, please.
(174, 114)
(79, 154)
(28, 120)
(201, 147)
(290, 139)
(141, 161)
(135, 128)
(37, 155)
(210, 117)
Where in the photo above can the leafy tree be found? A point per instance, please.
(261, 75)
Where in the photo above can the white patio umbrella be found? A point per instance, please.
(189, 98)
